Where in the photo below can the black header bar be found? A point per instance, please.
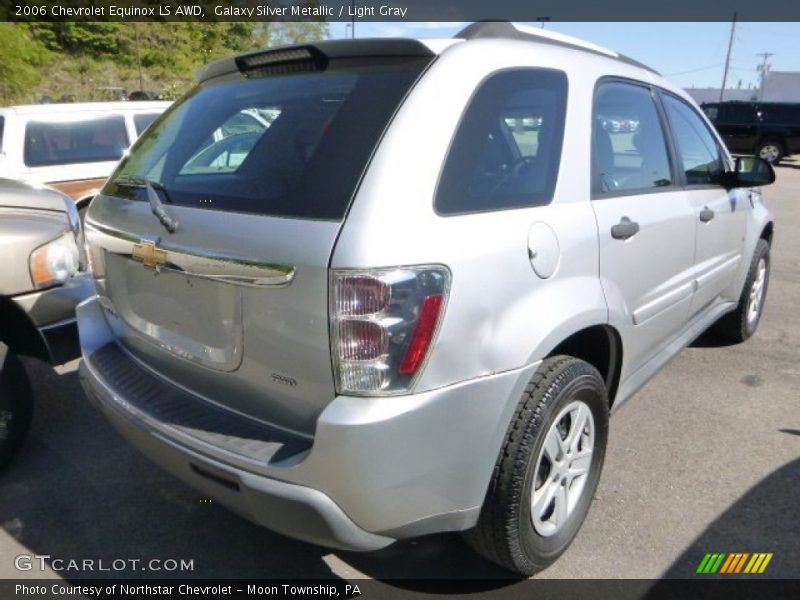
(397, 10)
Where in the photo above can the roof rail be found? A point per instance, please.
(507, 30)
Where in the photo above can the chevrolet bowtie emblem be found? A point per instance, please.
(149, 255)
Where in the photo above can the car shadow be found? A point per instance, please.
(792, 162)
(751, 525)
(77, 490)
(711, 339)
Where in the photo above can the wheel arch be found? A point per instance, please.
(771, 136)
(766, 233)
(601, 346)
(18, 332)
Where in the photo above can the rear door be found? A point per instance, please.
(258, 167)
(720, 213)
(646, 224)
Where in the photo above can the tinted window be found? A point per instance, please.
(739, 113)
(2, 125)
(62, 143)
(275, 143)
(629, 149)
(698, 152)
(142, 121)
(786, 114)
(507, 149)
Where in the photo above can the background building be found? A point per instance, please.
(779, 86)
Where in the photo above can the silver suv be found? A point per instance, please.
(359, 291)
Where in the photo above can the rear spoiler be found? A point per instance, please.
(315, 56)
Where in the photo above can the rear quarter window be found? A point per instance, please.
(506, 151)
(50, 143)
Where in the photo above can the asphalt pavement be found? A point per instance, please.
(705, 458)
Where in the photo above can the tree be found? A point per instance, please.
(74, 59)
(22, 55)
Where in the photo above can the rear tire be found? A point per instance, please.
(16, 405)
(771, 150)
(742, 323)
(536, 502)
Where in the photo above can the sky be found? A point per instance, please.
(689, 54)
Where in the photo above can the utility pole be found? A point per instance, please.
(763, 68)
(138, 57)
(727, 59)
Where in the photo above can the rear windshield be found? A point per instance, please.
(287, 145)
(99, 139)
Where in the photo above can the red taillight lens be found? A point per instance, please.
(423, 334)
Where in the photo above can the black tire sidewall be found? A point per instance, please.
(16, 402)
(762, 251)
(772, 142)
(541, 550)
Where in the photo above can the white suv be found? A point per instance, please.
(407, 301)
(72, 147)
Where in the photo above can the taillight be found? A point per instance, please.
(383, 323)
(423, 334)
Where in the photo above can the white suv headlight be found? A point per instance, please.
(55, 262)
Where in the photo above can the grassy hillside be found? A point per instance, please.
(77, 61)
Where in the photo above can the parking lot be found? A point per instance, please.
(706, 458)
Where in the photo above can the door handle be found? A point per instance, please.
(706, 214)
(624, 229)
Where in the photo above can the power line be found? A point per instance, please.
(708, 68)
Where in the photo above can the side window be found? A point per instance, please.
(2, 125)
(507, 149)
(783, 114)
(698, 152)
(712, 112)
(65, 142)
(629, 149)
(740, 113)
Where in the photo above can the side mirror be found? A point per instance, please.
(750, 171)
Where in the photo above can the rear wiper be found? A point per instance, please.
(168, 221)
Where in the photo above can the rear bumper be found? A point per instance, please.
(377, 469)
(296, 511)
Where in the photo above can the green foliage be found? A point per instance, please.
(79, 60)
(22, 57)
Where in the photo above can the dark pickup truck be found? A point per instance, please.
(770, 130)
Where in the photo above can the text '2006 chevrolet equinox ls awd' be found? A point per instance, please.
(360, 291)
